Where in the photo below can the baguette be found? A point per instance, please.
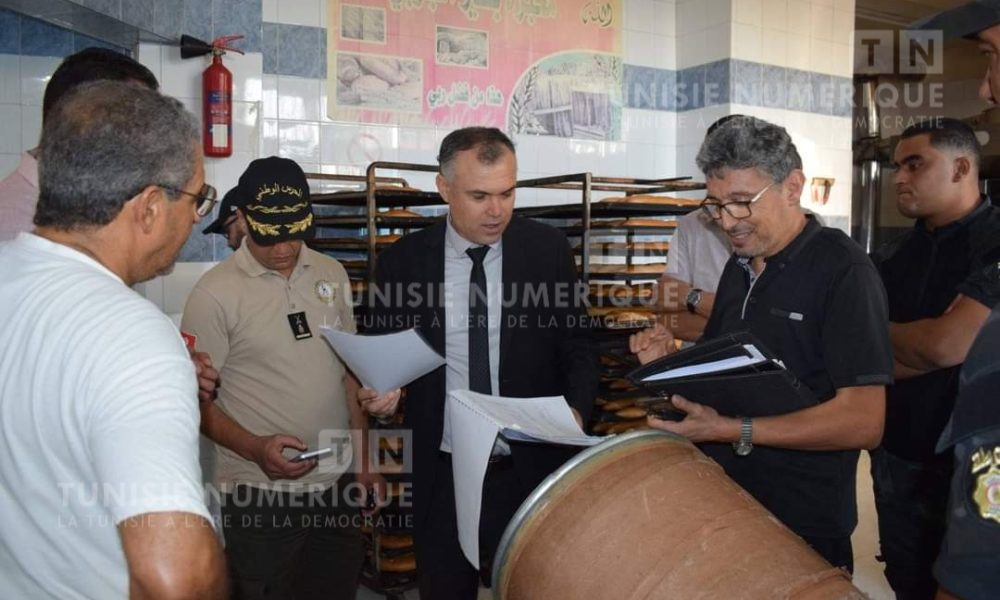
(400, 213)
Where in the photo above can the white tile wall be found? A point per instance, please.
(820, 22)
(35, 73)
(150, 55)
(843, 26)
(10, 141)
(665, 18)
(299, 141)
(269, 11)
(177, 285)
(639, 16)
(269, 96)
(300, 12)
(31, 126)
(774, 14)
(748, 12)
(298, 98)
(638, 48)
(718, 12)
(10, 79)
(747, 42)
(820, 55)
(798, 52)
(774, 47)
(8, 162)
(799, 15)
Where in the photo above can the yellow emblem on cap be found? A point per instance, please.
(325, 291)
(986, 494)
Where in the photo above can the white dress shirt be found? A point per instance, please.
(457, 272)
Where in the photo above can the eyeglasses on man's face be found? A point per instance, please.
(206, 198)
(737, 209)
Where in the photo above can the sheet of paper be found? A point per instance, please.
(472, 438)
(384, 362)
(475, 421)
(548, 419)
(752, 357)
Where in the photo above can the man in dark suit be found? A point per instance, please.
(529, 338)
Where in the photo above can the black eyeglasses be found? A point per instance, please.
(737, 209)
(206, 198)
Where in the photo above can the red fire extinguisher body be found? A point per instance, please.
(217, 109)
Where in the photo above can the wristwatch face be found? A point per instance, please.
(692, 299)
(742, 448)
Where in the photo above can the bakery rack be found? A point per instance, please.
(630, 220)
(356, 216)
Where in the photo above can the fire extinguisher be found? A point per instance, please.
(217, 93)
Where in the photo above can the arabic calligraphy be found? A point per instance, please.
(599, 13)
(522, 11)
(527, 11)
(276, 188)
(463, 93)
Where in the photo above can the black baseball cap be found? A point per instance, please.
(227, 210)
(962, 21)
(276, 201)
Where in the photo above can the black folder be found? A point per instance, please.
(751, 383)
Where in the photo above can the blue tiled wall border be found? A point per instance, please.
(31, 37)
(739, 82)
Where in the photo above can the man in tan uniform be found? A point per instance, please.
(290, 526)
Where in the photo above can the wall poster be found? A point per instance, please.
(543, 67)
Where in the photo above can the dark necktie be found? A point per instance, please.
(479, 333)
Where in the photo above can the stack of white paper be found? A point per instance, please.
(475, 422)
(384, 362)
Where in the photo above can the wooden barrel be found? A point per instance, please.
(647, 515)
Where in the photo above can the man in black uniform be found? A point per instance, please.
(968, 566)
(813, 298)
(939, 297)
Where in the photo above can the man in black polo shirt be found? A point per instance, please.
(969, 564)
(813, 298)
(939, 297)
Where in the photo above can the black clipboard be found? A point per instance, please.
(761, 387)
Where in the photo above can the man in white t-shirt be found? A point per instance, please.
(698, 252)
(99, 476)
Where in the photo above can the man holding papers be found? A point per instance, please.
(813, 298)
(498, 296)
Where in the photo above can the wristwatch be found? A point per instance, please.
(692, 299)
(745, 445)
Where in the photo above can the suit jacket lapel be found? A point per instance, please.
(433, 277)
(513, 266)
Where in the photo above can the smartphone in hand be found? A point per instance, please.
(317, 454)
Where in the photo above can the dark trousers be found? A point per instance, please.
(443, 571)
(291, 546)
(836, 550)
(911, 499)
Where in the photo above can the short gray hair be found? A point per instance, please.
(105, 143)
(748, 143)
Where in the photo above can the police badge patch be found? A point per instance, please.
(325, 291)
(986, 493)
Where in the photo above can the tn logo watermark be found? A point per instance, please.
(390, 451)
(877, 52)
